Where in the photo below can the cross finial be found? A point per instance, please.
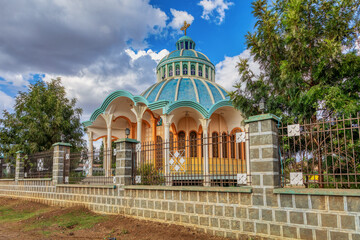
(186, 26)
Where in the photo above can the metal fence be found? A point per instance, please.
(89, 168)
(38, 165)
(324, 153)
(218, 160)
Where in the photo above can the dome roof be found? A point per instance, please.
(190, 53)
(204, 92)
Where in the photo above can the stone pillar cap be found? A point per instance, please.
(62, 144)
(262, 117)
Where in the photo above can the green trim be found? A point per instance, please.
(262, 117)
(158, 104)
(216, 106)
(192, 189)
(127, 140)
(20, 152)
(191, 104)
(186, 59)
(318, 191)
(86, 186)
(62, 144)
(109, 99)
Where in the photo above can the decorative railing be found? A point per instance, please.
(321, 153)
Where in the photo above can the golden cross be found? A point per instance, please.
(186, 26)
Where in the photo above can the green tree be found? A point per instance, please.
(307, 57)
(42, 116)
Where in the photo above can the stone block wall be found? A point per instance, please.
(280, 215)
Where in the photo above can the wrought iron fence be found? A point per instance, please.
(324, 153)
(90, 168)
(218, 160)
(38, 165)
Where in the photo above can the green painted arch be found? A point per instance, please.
(216, 106)
(109, 99)
(191, 104)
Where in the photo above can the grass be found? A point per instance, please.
(8, 214)
(74, 220)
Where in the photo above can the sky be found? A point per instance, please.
(98, 47)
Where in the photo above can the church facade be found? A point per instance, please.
(184, 104)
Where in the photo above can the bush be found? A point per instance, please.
(150, 175)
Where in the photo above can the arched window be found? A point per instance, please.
(186, 45)
(190, 45)
(215, 144)
(159, 153)
(200, 70)
(177, 70)
(193, 144)
(207, 72)
(164, 72)
(181, 142)
(185, 69)
(171, 142)
(202, 144)
(170, 71)
(235, 148)
(224, 145)
(182, 45)
(192, 69)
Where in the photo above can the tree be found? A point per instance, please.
(307, 57)
(42, 116)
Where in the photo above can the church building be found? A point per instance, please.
(184, 104)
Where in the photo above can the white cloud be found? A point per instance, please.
(227, 73)
(86, 43)
(214, 8)
(130, 70)
(6, 102)
(178, 19)
(154, 56)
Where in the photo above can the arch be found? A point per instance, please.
(126, 118)
(215, 144)
(109, 99)
(200, 130)
(173, 128)
(158, 152)
(181, 140)
(177, 69)
(170, 69)
(113, 138)
(235, 130)
(185, 69)
(146, 123)
(216, 106)
(224, 144)
(193, 69)
(190, 104)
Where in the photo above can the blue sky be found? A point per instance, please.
(97, 47)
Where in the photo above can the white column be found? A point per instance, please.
(206, 169)
(197, 69)
(181, 68)
(167, 122)
(91, 152)
(139, 111)
(105, 156)
(107, 165)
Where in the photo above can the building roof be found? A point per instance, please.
(203, 92)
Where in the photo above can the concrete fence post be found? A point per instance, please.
(125, 160)
(19, 168)
(1, 166)
(264, 158)
(61, 162)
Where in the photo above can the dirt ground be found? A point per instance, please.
(20, 219)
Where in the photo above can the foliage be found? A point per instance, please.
(42, 116)
(150, 175)
(307, 57)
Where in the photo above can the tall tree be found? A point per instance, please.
(307, 57)
(42, 116)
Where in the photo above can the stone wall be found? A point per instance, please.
(232, 212)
